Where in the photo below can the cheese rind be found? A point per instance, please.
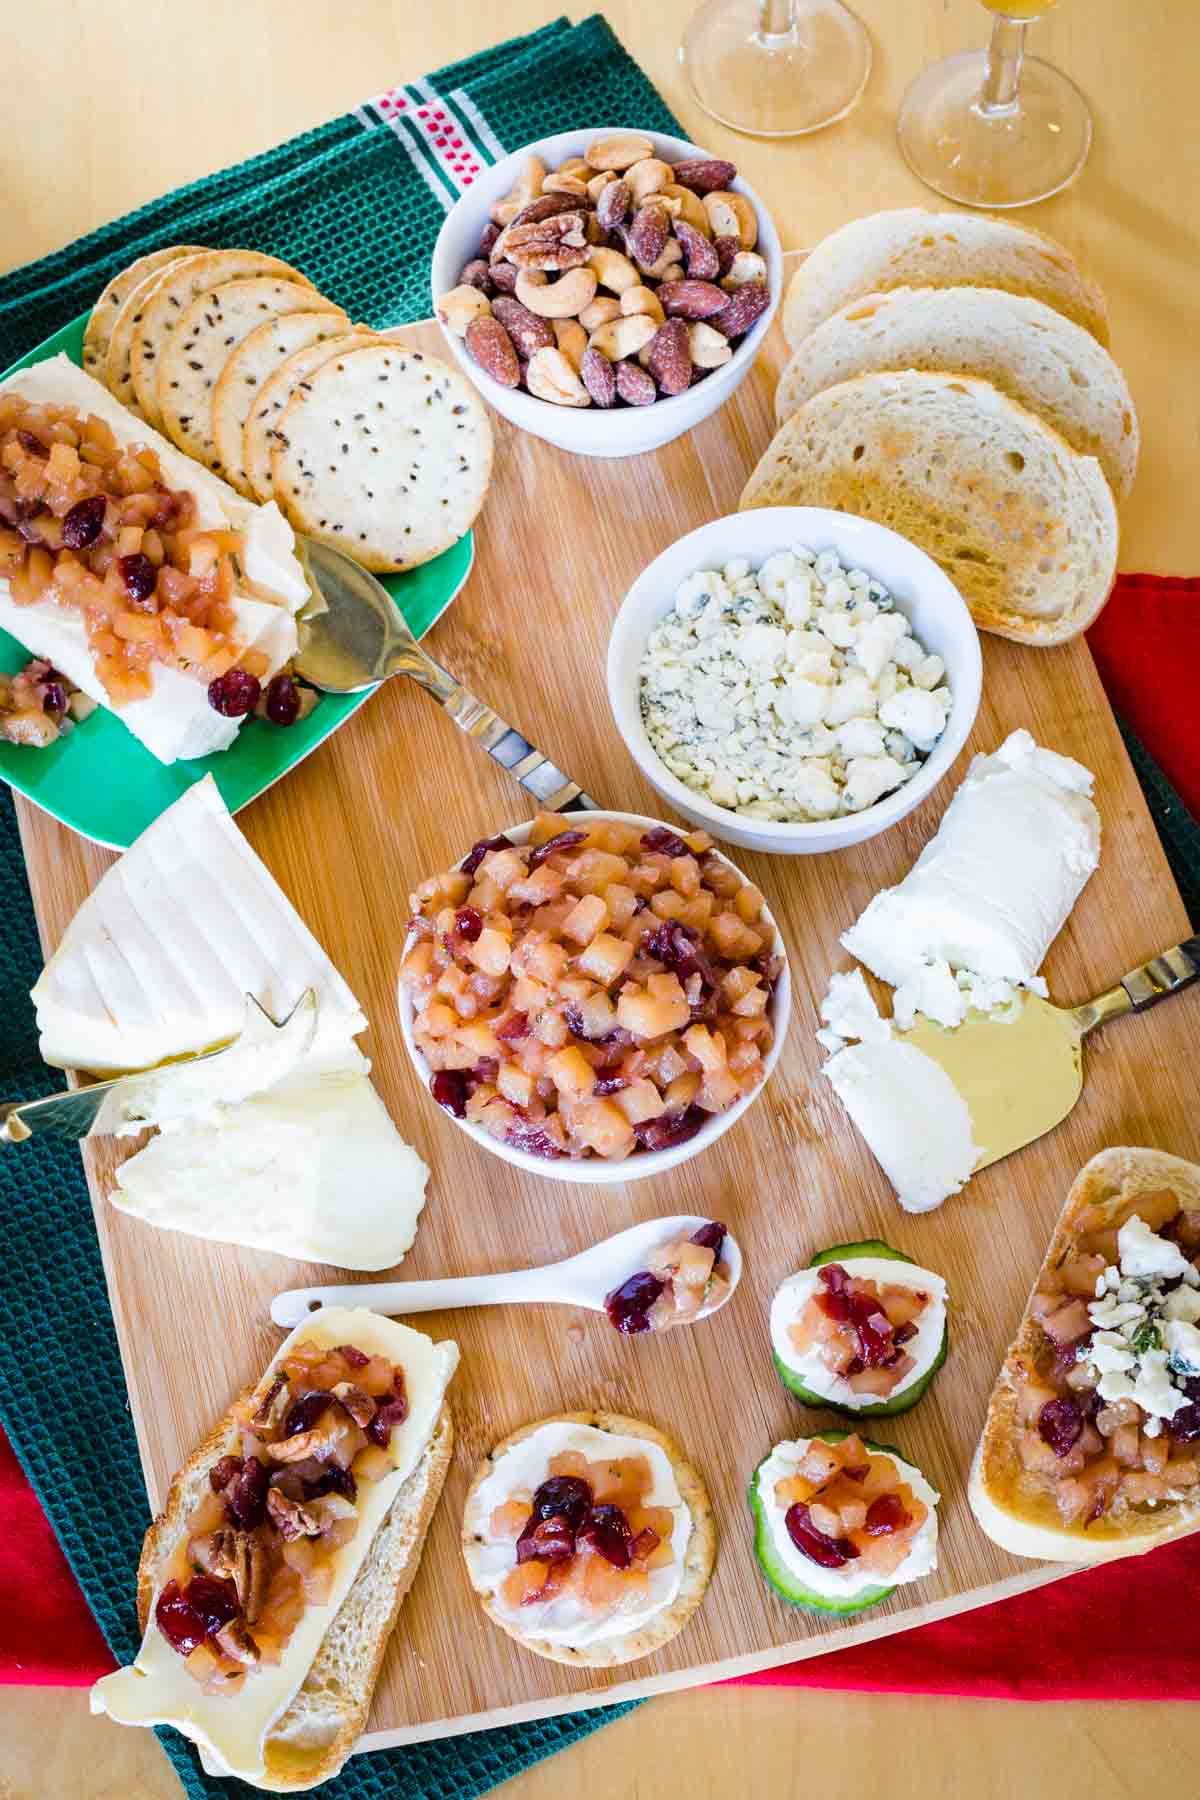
(157, 1690)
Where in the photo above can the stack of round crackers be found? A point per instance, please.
(234, 355)
(950, 377)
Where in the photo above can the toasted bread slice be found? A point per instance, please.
(1024, 526)
(1045, 362)
(914, 248)
(698, 1557)
(1013, 1509)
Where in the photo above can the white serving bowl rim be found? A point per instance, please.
(614, 423)
(593, 1170)
(778, 528)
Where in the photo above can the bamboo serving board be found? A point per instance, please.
(399, 793)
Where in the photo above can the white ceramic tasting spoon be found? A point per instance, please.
(581, 1280)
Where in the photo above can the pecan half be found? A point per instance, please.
(290, 1519)
(358, 1404)
(547, 244)
(237, 1643)
(251, 1573)
(268, 1415)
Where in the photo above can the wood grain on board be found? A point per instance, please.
(399, 793)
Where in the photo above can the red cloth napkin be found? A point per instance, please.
(1121, 1632)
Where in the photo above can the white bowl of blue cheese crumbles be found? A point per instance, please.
(794, 679)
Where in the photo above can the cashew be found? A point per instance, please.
(602, 309)
(571, 339)
(747, 265)
(558, 183)
(709, 349)
(623, 337)
(613, 270)
(529, 186)
(457, 308)
(575, 165)
(597, 182)
(691, 207)
(618, 152)
(561, 299)
(648, 177)
(642, 300)
(672, 254)
(593, 230)
(549, 376)
(731, 215)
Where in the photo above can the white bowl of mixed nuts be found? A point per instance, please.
(608, 288)
(594, 996)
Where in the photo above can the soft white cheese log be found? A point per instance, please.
(159, 958)
(914, 1119)
(157, 1689)
(992, 889)
(175, 721)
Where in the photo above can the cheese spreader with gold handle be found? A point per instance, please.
(1020, 1071)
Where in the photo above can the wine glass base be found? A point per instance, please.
(779, 84)
(1008, 156)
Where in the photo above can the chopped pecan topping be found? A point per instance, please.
(251, 1573)
(237, 1643)
(290, 1518)
(268, 1415)
(358, 1404)
(213, 1552)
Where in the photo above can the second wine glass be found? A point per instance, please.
(776, 68)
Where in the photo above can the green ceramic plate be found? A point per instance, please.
(104, 784)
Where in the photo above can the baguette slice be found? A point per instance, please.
(312, 1736)
(915, 248)
(698, 1558)
(1024, 526)
(1009, 1509)
(1040, 359)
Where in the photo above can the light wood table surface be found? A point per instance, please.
(109, 106)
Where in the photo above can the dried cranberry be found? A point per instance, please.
(678, 947)
(1059, 1424)
(31, 444)
(872, 1327)
(283, 700)
(607, 1531)
(477, 852)
(223, 1472)
(391, 1410)
(666, 843)
(486, 1069)
(532, 1139)
(213, 1600)
(358, 1359)
(246, 1495)
(139, 575)
(54, 698)
(1184, 1426)
(449, 1089)
(234, 694)
(769, 966)
(644, 1544)
(567, 1495)
(514, 1028)
(551, 1539)
(670, 1129)
(304, 1412)
(901, 1334)
(186, 1616)
(84, 523)
(566, 840)
(609, 1084)
(574, 1019)
(333, 1479)
(710, 1237)
(827, 1552)
(628, 1306)
(885, 1515)
(468, 924)
(858, 1472)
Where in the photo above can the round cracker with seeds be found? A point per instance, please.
(118, 359)
(385, 453)
(273, 398)
(173, 292)
(254, 361)
(698, 1557)
(99, 329)
(209, 331)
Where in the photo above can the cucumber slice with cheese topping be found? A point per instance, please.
(802, 1376)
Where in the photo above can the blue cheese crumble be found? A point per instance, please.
(1145, 1346)
(793, 693)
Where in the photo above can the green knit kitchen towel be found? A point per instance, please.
(356, 204)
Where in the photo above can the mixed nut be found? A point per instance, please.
(616, 278)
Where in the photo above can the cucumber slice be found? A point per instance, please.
(879, 1409)
(781, 1578)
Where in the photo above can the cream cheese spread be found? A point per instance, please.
(850, 1580)
(793, 1295)
(566, 1618)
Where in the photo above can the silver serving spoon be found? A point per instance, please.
(581, 1280)
(358, 638)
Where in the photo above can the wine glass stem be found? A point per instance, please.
(776, 20)
(1006, 53)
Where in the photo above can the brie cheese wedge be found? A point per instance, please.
(175, 721)
(157, 1688)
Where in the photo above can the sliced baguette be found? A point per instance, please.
(1010, 1510)
(915, 248)
(697, 1562)
(311, 1740)
(1045, 362)
(1024, 526)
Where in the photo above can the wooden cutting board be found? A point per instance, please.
(397, 794)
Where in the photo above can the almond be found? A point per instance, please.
(648, 234)
(490, 346)
(527, 331)
(705, 175)
(635, 387)
(599, 377)
(669, 358)
(743, 308)
(693, 299)
(700, 254)
(613, 204)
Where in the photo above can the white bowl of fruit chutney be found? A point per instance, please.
(642, 1162)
